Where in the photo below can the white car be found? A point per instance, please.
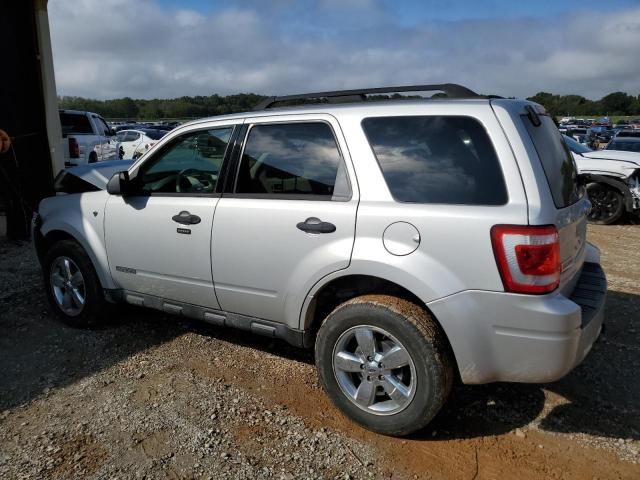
(134, 143)
(612, 178)
(86, 138)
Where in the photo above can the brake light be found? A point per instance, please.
(74, 148)
(528, 258)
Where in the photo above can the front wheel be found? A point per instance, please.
(72, 285)
(384, 362)
(607, 204)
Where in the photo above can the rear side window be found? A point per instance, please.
(74, 123)
(437, 159)
(293, 159)
(557, 162)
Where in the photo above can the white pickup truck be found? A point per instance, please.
(86, 138)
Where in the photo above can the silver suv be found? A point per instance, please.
(409, 242)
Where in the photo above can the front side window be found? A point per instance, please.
(437, 159)
(188, 164)
(293, 159)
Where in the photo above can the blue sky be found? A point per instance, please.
(165, 48)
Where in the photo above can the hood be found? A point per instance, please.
(631, 157)
(90, 177)
(608, 162)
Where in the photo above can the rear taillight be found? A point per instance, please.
(528, 258)
(74, 148)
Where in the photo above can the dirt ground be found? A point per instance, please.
(154, 396)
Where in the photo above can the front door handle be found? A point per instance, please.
(185, 218)
(315, 225)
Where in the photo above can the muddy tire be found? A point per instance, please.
(72, 285)
(385, 363)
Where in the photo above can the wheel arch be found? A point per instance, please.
(44, 240)
(615, 182)
(325, 297)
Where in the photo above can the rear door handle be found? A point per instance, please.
(315, 225)
(185, 218)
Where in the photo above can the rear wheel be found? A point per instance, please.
(607, 204)
(72, 285)
(384, 362)
(93, 157)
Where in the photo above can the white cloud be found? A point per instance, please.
(114, 48)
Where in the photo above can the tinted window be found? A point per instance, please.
(189, 164)
(293, 159)
(131, 136)
(574, 146)
(154, 134)
(628, 146)
(437, 159)
(74, 123)
(557, 162)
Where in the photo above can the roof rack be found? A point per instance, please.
(451, 89)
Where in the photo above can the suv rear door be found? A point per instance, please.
(287, 217)
(553, 194)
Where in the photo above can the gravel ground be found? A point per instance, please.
(154, 396)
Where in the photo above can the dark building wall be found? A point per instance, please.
(26, 177)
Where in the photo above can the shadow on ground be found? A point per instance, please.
(38, 353)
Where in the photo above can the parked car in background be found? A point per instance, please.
(134, 143)
(612, 179)
(625, 144)
(86, 138)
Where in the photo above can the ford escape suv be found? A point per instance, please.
(409, 242)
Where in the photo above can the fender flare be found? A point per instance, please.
(613, 182)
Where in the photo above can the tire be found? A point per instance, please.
(607, 204)
(57, 282)
(93, 158)
(397, 401)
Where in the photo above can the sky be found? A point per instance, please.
(169, 48)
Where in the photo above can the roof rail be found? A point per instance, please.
(451, 89)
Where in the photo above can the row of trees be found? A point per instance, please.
(182, 107)
(617, 103)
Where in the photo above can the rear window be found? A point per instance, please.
(437, 159)
(556, 159)
(154, 134)
(75, 123)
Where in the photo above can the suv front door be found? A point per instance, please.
(158, 241)
(287, 217)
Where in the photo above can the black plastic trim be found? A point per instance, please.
(215, 317)
(452, 90)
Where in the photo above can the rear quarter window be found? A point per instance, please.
(556, 159)
(437, 160)
(75, 123)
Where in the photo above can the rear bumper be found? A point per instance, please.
(523, 338)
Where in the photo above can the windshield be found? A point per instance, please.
(576, 147)
(624, 145)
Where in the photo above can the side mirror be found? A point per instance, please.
(120, 184)
(112, 132)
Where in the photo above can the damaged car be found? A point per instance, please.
(612, 178)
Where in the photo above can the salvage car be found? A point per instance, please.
(612, 179)
(409, 243)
